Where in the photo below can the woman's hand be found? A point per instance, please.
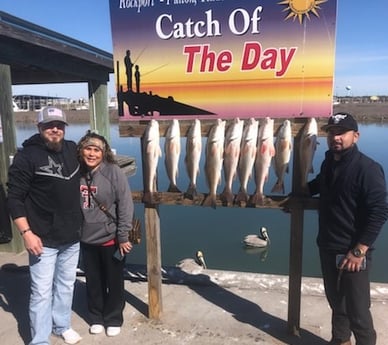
(125, 247)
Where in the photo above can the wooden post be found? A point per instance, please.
(296, 247)
(98, 108)
(154, 263)
(7, 146)
(154, 257)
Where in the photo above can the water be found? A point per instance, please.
(218, 233)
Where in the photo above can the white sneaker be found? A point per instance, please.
(113, 331)
(71, 336)
(96, 329)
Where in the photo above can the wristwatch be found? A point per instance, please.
(358, 253)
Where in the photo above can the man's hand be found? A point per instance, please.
(33, 243)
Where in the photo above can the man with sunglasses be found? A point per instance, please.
(43, 200)
(352, 211)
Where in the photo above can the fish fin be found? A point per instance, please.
(284, 144)
(227, 149)
(263, 148)
(177, 148)
(272, 151)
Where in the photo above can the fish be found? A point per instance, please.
(214, 159)
(283, 148)
(247, 158)
(172, 151)
(151, 153)
(307, 148)
(231, 156)
(193, 157)
(264, 153)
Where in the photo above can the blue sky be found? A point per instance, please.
(361, 41)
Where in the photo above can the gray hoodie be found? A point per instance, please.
(111, 188)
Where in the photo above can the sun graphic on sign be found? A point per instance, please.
(301, 8)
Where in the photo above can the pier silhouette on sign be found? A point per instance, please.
(146, 103)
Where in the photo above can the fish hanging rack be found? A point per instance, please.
(295, 205)
(137, 128)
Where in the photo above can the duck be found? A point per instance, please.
(193, 266)
(258, 241)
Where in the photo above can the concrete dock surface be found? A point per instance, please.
(203, 308)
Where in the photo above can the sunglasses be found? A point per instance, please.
(53, 124)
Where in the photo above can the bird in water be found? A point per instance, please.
(193, 266)
(258, 241)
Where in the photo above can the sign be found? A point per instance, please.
(213, 59)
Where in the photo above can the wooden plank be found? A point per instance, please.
(127, 164)
(271, 201)
(154, 262)
(7, 147)
(136, 128)
(296, 247)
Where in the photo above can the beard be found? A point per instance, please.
(54, 146)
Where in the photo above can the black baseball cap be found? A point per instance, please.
(341, 120)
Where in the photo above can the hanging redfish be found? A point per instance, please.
(172, 150)
(214, 158)
(265, 152)
(231, 156)
(151, 153)
(283, 148)
(247, 158)
(308, 145)
(193, 156)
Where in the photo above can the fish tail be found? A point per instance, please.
(172, 188)
(227, 196)
(257, 199)
(191, 192)
(210, 201)
(241, 196)
(148, 198)
(278, 187)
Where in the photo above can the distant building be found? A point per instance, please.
(36, 102)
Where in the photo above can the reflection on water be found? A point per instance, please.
(219, 233)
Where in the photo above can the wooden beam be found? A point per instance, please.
(136, 128)
(271, 201)
(154, 262)
(296, 246)
(98, 108)
(7, 150)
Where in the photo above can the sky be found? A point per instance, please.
(361, 57)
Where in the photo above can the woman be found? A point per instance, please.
(107, 206)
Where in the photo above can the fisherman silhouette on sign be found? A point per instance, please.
(128, 69)
(137, 78)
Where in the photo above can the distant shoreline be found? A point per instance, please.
(363, 112)
(72, 116)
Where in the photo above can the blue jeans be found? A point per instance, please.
(53, 275)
